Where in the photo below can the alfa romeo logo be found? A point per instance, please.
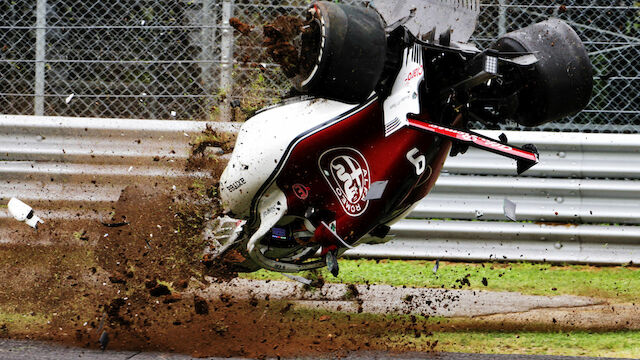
(347, 172)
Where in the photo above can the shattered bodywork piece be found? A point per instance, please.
(23, 212)
(432, 18)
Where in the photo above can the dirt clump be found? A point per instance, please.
(241, 27)
(200, 305)
(159, 290)
(182, 284)
(284, 45)
(278, 38)
(283, 28)
(172, 298)
(463, 281)
(113, 311)
(207, 155)
(117, 278)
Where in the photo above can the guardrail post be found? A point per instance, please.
(41, 23)
(226, 58)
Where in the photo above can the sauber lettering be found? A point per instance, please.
(417, 72)
(236, 185)
(347, 172)
(399, 101)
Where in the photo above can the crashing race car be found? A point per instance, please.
(324, 172)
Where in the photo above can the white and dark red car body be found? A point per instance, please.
(312, 177)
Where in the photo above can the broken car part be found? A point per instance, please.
(509, 208)
(23, 212)
(458, 18)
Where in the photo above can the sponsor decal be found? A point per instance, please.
(398, 102)
(301, 191)
(270, 210)
(347, 172)
(236, 185)
(480, 141)
(414, 74)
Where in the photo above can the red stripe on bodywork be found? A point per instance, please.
(477, 139)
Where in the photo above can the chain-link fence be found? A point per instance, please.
(127, 58)
(181, 59)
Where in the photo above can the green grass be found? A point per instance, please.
(625, 344)
(618, 283)
(14, 318)
(12, 322)
(478, 337)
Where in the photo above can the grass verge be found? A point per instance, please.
(622, 344)
(424, 334)
(615, 283)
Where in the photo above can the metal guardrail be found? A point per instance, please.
(580, 204)
(485, 241)
(80, 165)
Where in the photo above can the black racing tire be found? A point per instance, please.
(561, 82)
(344, 52)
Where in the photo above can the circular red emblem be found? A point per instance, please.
(347, 172)
(301, 191)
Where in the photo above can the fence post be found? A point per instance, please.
(209, 23)
(226, 59)
(41, 23)
(502, 17)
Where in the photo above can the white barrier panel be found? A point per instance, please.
(590, 180)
